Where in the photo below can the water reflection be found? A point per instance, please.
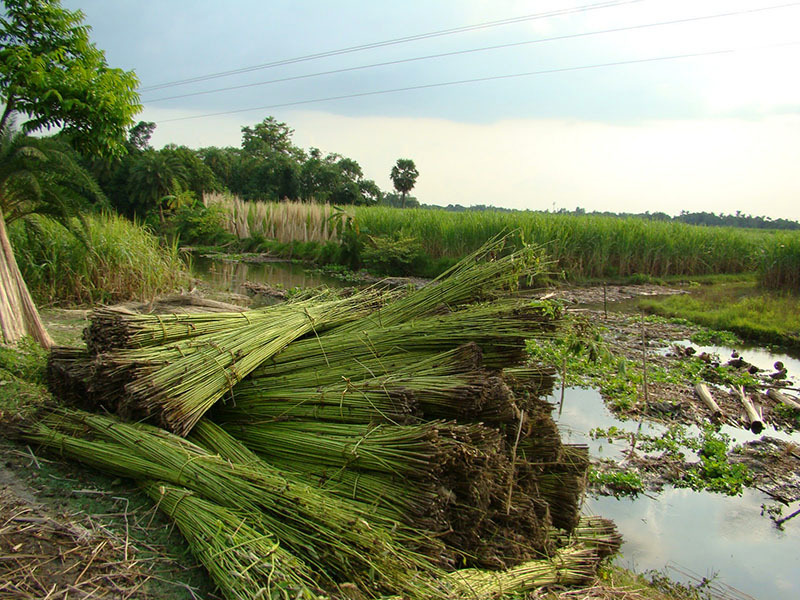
(229, 276)
(707, 533)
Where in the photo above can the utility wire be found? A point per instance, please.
(482, 49)
(482, 79)
(392, 42)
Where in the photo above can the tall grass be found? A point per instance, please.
(281, 221)
(780, 263)
(581, 246)
(100, 259)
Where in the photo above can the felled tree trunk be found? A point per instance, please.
(18, 314)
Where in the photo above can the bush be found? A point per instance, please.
(393, 255)
(199, 225)
(99, 259)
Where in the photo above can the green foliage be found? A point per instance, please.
(102, 258)
(780, 264)
(42, 176)
(22, 378)
(26, 361)
(754, 315)
(620, 483)
(398, 256)
(788, 412)
(580, 347)
(404, 176)
(715, 472)
(153, 177)
(197, 224)
(51, 72)
(711, 337)
(582, 247)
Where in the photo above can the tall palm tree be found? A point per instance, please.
(37, 175)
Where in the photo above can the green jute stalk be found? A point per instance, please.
(500, 330)
(243, 561)
(570, 566)
(327, 535)
(181, 381)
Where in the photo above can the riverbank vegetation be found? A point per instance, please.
(756, 315)
(580, 248)
(100, 258)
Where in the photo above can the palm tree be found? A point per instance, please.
(37, 175)
(154, 178)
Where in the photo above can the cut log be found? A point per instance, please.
(783, 398)
(756, 424)
(702, 392)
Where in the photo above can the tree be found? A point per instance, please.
(270, 138)
(51, 74)
(154, 176)
(404, 175)
(37, 175)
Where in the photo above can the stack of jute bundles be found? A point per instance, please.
(408, 416)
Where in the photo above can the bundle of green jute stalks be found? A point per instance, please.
(410, 419)
(332, 538)
(175, 367)
(261, 533)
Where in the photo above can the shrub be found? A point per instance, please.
(99, 259)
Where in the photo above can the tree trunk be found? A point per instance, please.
(18, 314)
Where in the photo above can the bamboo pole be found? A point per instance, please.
(756, 424)
(783, 398)
(702, 392)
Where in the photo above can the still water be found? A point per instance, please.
(230, 276)
(707, 534)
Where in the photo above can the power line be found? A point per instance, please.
(481, 49)
(392, 42)
(482, 79)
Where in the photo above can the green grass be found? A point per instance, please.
(780, 264)
(101, 259)
(583, 247)
(755, 315)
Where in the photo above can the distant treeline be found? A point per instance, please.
(690, 218)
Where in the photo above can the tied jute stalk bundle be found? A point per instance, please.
(243, 561)
(331, 537)
(570, 566)
(180, 381)
(499, 329)
(115, 327)
(449, 385)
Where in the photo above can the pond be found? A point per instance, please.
(704, 533)
(229, 276)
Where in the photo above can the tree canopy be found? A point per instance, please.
(52, 73)
(404, 176)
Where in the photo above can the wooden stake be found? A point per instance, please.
(783, 398)
(513, 464)
(605, 302)
(756, 424)
(644, 365)
(702, 392)
(563, 385)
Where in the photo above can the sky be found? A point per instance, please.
(607, 105)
